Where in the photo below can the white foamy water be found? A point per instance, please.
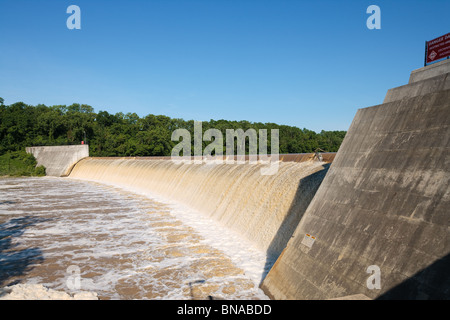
(122, 245)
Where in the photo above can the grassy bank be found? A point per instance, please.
(19, 163)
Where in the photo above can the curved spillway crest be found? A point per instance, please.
(263, 209)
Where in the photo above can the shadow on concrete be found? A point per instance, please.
(307, 188)
(432, 283)
(14, 261)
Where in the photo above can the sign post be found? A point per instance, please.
(436, 49)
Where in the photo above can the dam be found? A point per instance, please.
(371, 221)
(58, 160)
(148, 228)
(262, 209)
(383, 205)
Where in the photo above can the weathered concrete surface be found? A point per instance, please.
(433, 70)
(432, 78)
(384, 202)
(419, 88)
(58, 160)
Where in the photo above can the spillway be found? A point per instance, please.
(265, 210)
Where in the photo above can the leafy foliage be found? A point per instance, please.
(19, 163)
(119, 134)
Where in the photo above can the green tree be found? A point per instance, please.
(128, 134)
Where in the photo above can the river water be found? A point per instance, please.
(72, 235)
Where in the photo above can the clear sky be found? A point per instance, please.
(309, 64)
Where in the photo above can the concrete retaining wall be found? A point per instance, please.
(419, 88)
(58, 160)
(384, 203)
(433, 70)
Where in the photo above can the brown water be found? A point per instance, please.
(264, 209)
(119, 244)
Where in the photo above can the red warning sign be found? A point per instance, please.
(438, 48)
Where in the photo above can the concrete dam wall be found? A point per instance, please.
(379, 223)
(263, 209)
(59, 160)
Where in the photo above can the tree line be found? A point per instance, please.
(20, 163)
(111, 135)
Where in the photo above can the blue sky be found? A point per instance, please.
(309, 64)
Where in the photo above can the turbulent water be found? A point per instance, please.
(121, 245)
(152, 229)
(263, 209)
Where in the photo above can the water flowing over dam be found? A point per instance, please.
(148, 228)
(263, 209)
